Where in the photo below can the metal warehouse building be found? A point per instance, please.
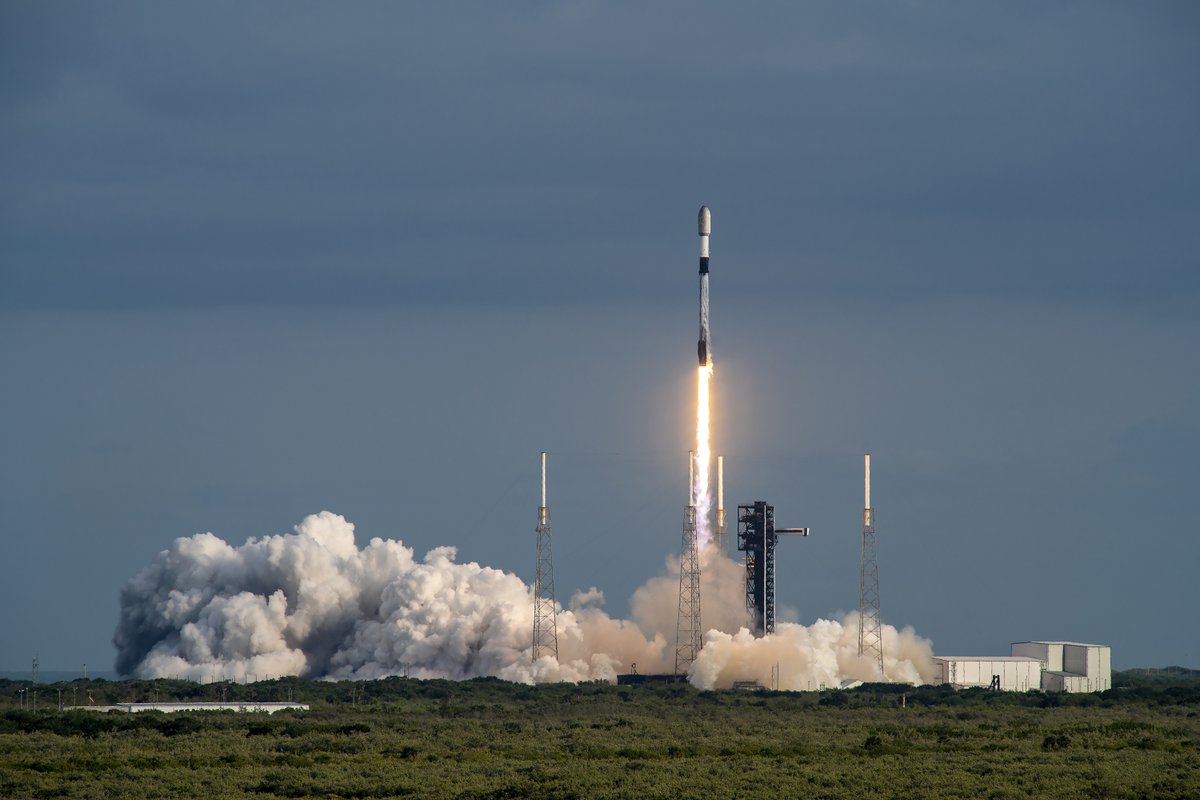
(1016, 673)
(1049, 666)
(1070, 666)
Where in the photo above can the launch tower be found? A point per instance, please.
(757, 537)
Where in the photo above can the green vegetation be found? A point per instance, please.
(491, 739)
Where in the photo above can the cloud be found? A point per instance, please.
(311, 603)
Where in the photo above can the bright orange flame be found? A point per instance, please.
(702, 500)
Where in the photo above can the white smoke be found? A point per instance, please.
(313, 603)
(821, 655)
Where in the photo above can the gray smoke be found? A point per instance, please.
(312, 603)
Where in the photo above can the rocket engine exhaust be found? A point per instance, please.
(315, 603)
(701, 493)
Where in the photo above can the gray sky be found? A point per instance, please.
(262, 260)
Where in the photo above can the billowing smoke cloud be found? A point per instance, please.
(820, 655)
(313, 603)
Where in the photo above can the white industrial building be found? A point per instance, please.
(1049, 666)
(1070, 666)
(1016, 673)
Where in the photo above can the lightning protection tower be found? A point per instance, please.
(870, 629)
(722, 530)
(545, 613)
(688, 633)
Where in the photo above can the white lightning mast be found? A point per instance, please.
(722, 530)
(870, 627)
(545, 612)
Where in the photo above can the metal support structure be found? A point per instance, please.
(757, 537)
(689, 635)
(545, 612)
(870, 625)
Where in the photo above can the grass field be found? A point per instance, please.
(490, 739)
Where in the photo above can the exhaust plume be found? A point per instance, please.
(701, 493)
(312, 603)
(818, 656)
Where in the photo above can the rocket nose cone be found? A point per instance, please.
(705, 221)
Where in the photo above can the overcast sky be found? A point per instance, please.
(260, 260)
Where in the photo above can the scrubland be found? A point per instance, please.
(491, 739)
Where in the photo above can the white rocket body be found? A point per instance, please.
(703, 347)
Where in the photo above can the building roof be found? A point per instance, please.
(1076, 644)
(987, 658)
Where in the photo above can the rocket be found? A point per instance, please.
(703, 347)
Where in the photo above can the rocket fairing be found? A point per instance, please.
(703, 347)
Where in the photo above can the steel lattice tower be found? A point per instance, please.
(545, 612)
(870, 632)
(688, 632)
(757, 537)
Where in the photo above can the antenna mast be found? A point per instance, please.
(722, 530)
(545, 613)
(870, 629)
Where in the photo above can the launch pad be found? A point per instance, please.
(757, 537)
